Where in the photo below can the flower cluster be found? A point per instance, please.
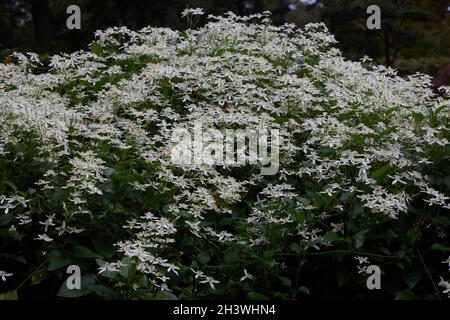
(358, 142)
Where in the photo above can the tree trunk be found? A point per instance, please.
(41, 24)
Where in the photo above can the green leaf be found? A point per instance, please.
(231, 257)
(304, 290)
(13, 257)
(404, 295)
(295, 247)
(203, 257)
(5, 219)
(57, 260)
(358, 209)
(345, 196)
(39, 276)
(86, 288)
(10, 295)
(285, 281)
(412, 277)
(440, 247)
(330, 236)
(103, 291)
(360, 238)
(83, 252)
(109, 171)
(256, 296)
(105, 250)
(96, 48)
(381, 174)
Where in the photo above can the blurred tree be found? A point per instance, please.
(40, 12)
(407, 27)
(258, 6)
(413, 37)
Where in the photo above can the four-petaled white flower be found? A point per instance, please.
(211, 281)
(247, 276)
(362, 260)
(4, 275)
(192, 12)
(44, 237)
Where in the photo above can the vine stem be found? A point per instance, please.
(31, 274)
(429, 275)
(351, 251)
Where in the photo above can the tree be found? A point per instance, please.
(406, 25)
(41, 24)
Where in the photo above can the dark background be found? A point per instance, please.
(415, 34)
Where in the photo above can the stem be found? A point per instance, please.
(31, 274)
(354, 252)
(429, 275)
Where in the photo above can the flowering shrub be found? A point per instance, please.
(87, 177)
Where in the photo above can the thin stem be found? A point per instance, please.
(352, 251)
(31, 274)
(429, 275)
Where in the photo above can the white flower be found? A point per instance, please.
(192, 12)
(44, 237)
(447, 261)
(362, 260)
(112, 267)
(445, 285)
(338, 227)
(198, 273)
(4, 275)
(210, 281)
(247, 276)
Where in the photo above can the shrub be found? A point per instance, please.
(87, 177)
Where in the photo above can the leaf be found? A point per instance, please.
(345, 196)
(304, 290)
(330, 236)
(404, 295)
(256, 296)
(109, 171)
(39, 276)
(10, 295)
(295, 247)
(203, 257)
(231, 257)
(381, 174)
(360, 238)
(86, 288)
(440, 247)
(96, 48)
(57, 260)
(358, 209)
(125, 270)
(5, 219)
(285, 281)
(103, 291)
(83, 252)
(105, 250)
(412, 277)
(13, 257)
